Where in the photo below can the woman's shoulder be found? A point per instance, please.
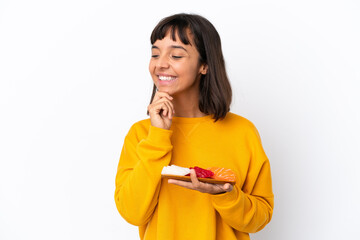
(241, 125)
(140, 127)
(236, 120)
(142, 123)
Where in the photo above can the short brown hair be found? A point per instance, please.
(215, 90)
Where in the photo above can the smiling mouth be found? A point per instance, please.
(166, 78)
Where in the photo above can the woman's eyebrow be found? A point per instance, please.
(177, 46)
(172, 46)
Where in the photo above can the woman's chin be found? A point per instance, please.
(166, 89)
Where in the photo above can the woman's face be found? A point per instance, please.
(175, 67)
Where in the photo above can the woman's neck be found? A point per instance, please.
(187, 106)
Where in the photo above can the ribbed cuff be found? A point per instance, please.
(225, 198)
(159, 135)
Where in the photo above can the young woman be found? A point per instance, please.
(190, 125)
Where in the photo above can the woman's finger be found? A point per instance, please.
(169, 103)
(164, 100)
(193, 178)
(163, 104)
(165, 109)
(160, 95)
(157, 107)
(181, 183)
(195, 184)
(228, 187)
(170, 109)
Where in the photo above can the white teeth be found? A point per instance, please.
(164, 78)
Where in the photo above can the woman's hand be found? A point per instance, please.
(161, 110)
(195, 184)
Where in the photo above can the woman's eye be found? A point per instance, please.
(154, 56)
(177, 57)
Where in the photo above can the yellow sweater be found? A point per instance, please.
(166, 211)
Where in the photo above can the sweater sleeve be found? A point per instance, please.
(249, 206)
(138, 176)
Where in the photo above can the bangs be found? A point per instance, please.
(177, 27)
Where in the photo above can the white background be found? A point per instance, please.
(74, 78)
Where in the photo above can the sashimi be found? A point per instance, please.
(223, 173)
(201, 173)
(215, 173)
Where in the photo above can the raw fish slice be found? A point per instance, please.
(175, 170)
(201, 172)
(223, 173)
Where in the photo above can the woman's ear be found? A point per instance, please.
(203, 69)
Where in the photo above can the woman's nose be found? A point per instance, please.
(162, 62)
